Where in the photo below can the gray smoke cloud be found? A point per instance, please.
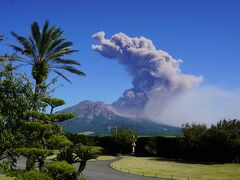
(206, 104)
(161, 91)
(156, 74)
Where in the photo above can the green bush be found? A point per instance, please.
(5, 166)
(33, 175)
(15, 172)
(61, 170)
(82, 139)
(161, 146)
(58, 141)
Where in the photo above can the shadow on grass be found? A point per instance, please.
(185, 161)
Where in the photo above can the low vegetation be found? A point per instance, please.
(29, 125)
(148, 166)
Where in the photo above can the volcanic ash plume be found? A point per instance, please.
(156, 74)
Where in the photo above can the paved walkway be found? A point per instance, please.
(101, 170)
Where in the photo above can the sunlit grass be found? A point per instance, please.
(165, 169)
(3, 177)
(104, 158)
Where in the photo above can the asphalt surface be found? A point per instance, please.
(98, 170)
(101, 170)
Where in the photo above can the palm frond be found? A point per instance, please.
(62, 75)
(66, 61)
(28, 49)
(47, 46)
(36, 34)
(73, 70)
(60, 54)
(17, 48)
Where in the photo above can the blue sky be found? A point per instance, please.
(204, 34)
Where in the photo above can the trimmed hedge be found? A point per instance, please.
(33, 175)
(83, 139)
(159, 146)
(61, 170)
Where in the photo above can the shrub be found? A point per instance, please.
(33, 175)
(82, 139)
(59, 141)
(61, 170)
(5, 166)
(163, 146)
(15, 172)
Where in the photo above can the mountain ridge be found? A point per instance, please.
(99, 118)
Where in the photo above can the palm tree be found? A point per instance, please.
(78, 155)
(82, 155)
(44, 50)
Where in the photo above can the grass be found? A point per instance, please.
(104, 158)
(166, 169)
(3, 177)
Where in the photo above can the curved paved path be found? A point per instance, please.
(101, 170)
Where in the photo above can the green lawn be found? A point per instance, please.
(3, 177)
(166, 169)
(105, 157)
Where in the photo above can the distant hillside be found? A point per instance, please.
(99, 118)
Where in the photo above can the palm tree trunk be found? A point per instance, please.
(81, 167)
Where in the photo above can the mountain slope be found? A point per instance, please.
(99, 118)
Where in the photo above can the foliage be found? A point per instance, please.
(120, 141)
(33, 152)
(33, 175)
(61, 170)
(61, 117)
(158, 146)
(5, 166)
(25, 127)
(78, 155)
(44, 51)
(82, 139)
(6, 140)
(15, 172)
(219, 143)
(1, 37)
(16, 97)
(53, 102)
(66, 155)
(59, 141)
(34, 155)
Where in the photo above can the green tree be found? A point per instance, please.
(15, 97)
(61, 170)
(122, 139)
(45, 51)
(15, 100)
(78, 155)
(82, 155)
(40, 133)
